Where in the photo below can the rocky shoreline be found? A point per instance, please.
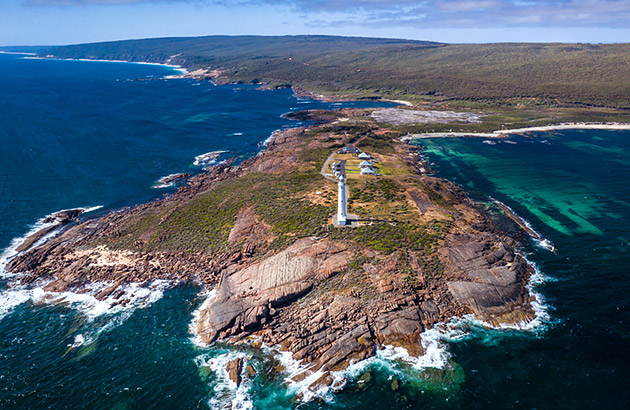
(329, 300)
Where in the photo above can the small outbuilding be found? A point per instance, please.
(349, 149)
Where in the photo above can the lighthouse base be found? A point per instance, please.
(352, 221)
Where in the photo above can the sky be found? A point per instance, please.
(57, 22)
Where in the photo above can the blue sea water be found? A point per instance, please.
(100, 134)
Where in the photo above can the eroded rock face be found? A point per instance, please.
(490, 278)
(58, 219)
(285, 299)
(280, 155)
(244, 297)
(248, 228)
(328, 329)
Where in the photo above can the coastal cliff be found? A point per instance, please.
(260, 234)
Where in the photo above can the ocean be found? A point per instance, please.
(100, 135)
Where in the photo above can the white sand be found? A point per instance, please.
(401, 102)
(51, 57)
(505, 133)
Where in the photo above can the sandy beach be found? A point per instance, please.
(34, 57)
(401, 102)
(505, 133)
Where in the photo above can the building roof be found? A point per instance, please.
(363, 155)
(365, 164)
(367, 171)
(349, 149)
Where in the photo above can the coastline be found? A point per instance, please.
(33, 56)
(207, 74)
(507, 132)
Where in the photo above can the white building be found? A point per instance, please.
(363, 155)
(367, 171)
(365, 164)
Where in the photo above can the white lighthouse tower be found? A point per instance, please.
(342, 206)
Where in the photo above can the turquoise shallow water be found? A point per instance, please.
(87, 134)
(573, 187)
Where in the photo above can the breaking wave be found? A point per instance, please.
(167, 181)
(118, 306)
(195, 337)
(209, 158)
(11, 251)
(539, 240)
(109, 311)
(269, 139)
(226, 393)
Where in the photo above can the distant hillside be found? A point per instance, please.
(24, 49)
(562, 74)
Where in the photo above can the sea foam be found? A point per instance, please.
(209, 158)
(161, 183)
(134, 295)
(226, 394)
(195, 337)
(436, 355)
(11, 251)
(299, 377)
(269, 139)
(435, 343)
(540, 241)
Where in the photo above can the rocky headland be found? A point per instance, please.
(259, 233)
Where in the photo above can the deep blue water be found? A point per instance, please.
(88, 133)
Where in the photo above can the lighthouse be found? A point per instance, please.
(342, 206)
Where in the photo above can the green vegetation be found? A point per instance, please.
(204, 222)
(387, 237)
(527, 76)
(383, 144)
(373, 189)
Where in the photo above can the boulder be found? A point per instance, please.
(234, 368)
